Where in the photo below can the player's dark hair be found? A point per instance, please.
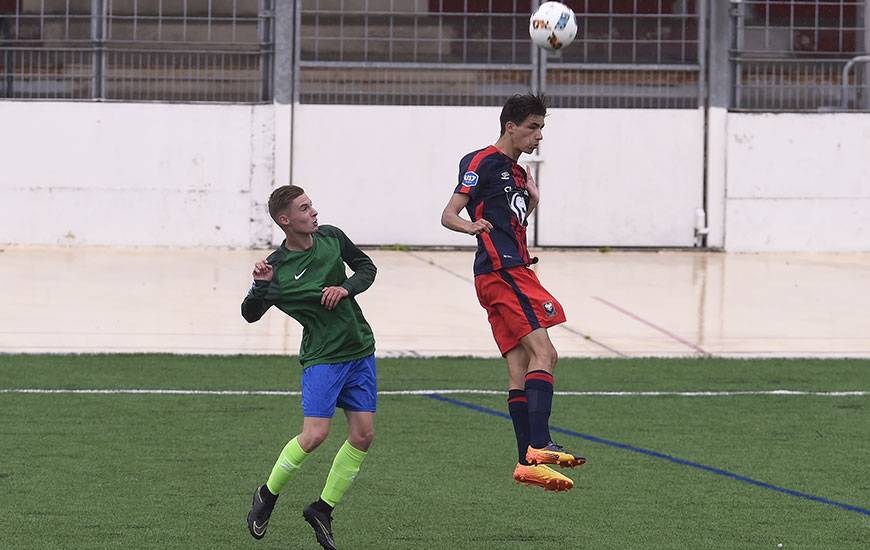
(519, 107)
(281, 198)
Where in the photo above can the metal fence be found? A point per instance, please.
(785, 55)
(168, 50)
(628, 53)
(790, 56)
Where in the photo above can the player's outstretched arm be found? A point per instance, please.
(255, 305)
(451, 219)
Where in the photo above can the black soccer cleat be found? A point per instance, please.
(261, 509)
(322, 525)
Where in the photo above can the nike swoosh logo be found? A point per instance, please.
(300, 274)
(260, 529)
(325, 531)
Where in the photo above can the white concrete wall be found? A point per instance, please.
(199, 175)
(384, 174)
(139, 174)
(621, 177)
(608, 177)
(798, 182)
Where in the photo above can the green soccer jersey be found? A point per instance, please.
(298, 279)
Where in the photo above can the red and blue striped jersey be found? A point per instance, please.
(496, 187)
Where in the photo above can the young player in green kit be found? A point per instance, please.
(305, 278)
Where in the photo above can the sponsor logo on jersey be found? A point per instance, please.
(469, 179)
(505, 175)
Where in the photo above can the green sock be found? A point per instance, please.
(285, 468)
(344, 469)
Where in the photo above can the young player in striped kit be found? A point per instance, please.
(499, 195)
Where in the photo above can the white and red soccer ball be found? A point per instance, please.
(553, 26)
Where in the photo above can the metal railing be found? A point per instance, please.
(166, 50)
(784, 55)
(630, 54)
(862, 91)
(790, 56)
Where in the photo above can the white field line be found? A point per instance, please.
(146, 391)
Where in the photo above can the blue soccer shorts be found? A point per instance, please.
(352, 386)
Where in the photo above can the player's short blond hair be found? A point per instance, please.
(281, 198)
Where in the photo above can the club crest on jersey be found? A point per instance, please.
(549, 309)
(517, 202)
(469, 179)
(518, 205)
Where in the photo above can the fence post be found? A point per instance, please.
(8, 23)
(538, 86)
(267, 48)
(284, 51)
(720, 83)
(98, 54)
(737, 11)
(864, 91)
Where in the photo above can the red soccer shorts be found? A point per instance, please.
(516, 304)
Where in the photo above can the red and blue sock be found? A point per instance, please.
(518, 407)
(539, 392)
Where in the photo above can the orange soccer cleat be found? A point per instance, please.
(553, 454)
(542, 476)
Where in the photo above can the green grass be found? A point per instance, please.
(176, 472)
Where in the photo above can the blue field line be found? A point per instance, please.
(682, 462)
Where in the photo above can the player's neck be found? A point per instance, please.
(504, 145)
(298, 241)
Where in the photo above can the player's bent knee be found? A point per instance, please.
(311, 438)
(362, 439)
(311, 443)
(547, 358)
(553, 358)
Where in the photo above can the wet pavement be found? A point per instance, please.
(667, 303)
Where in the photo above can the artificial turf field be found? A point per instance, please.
(177, 471)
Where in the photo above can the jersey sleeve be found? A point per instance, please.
(364, 269)
(469, 180)
(262, 294)
(255, 304)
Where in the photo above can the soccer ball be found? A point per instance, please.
(553, 26)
